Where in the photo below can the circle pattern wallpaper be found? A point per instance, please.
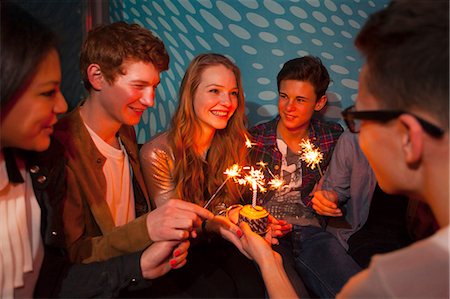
(259, 36)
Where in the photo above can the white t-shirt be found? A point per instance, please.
(417, 271)
(118, 174)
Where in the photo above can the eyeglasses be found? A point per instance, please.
(353, 119)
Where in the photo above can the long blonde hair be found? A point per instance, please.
(191, 174)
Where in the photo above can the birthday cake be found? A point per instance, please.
(256, 217)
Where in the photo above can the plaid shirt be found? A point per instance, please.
(321, 133)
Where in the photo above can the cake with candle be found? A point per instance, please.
(257, 218)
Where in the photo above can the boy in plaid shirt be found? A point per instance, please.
(321, 261)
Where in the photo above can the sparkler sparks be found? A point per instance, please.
(311, 155)
(232, 172)
(248, 175)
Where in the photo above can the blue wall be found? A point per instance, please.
(259, 36)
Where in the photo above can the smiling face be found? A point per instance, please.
(28, 124)
(297, 103)
(124, 101)
(216, 98)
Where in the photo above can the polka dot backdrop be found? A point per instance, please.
(259, 36)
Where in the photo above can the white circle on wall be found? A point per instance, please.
(202, 42)
(239, 31)
(195, 24)
(257, 66)
(307, 28)
(172, 7)
(298, 12)
(249, 50)
(294, 39)
(319, 16)
(252, 4)
(268, 37)
(267, 95)
(327, 31)
(228, 11)
(274, 7)
(158, 8)
(339, 69)
(350, 83)
(277, 52)
(162, 115)
(263, 81)
(284, 24)
(177, 23)
(211, 20)
(152, 125)
(257, 20)
(221, 40)
(267, 110)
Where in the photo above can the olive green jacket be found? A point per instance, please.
(91, 234)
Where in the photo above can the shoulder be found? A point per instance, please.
(158, 145)
(398, 269)
(327, 126)
(326, 131)
(264, 130)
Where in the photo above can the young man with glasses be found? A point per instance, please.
(402, 116)
(406, 47)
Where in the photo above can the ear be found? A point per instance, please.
(95, 76)
(412, 138)
(320, 103)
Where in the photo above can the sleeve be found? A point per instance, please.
(157, 167)
(81, 230)
(104, 279)
(338, 174)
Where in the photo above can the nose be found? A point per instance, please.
(60, 104)
(148, 97)
(225, 99)
(290, 105)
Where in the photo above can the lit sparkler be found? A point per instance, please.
(232, 172)
(311, 155)
(252, 177)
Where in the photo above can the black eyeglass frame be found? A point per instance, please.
(383, 116)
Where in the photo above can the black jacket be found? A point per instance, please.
(58, 277)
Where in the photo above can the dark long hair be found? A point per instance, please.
(24, 43)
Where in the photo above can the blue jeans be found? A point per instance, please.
(321, 261)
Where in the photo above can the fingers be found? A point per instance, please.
(191, 207)
(222, 224)
(324, 203)
(325, 210)
(179, 255)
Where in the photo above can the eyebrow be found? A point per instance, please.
(44, 84)
(214, 84)
(144, 82)
(297, 97)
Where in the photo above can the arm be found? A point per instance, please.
(157, 166)
(336, 186)
(133, 271)
(270, 264)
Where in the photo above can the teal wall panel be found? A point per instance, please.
(259, 36)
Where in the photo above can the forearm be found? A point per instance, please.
(104, 279)
(125, 239)
(276, 280)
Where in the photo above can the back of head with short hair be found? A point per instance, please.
(24, 44)
(309, 69)
(407, 52)
(110, 45)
